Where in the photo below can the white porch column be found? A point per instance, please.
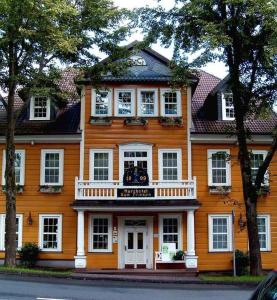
(191, 259)
(80, 258)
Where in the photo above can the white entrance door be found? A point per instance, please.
(135, 245)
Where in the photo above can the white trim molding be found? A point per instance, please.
(22, 167)
(179, 218)
(91, 232)
(179, 163)
(116, 95)
(94, 93)
(267, 231)
(162, 102)
(139, 102)
(42, 166)
(228, 218)
(42, 139)
(58, 233)
(210, 152)
(92, 152)
(32, 109)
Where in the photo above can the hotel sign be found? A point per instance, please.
(135, 193)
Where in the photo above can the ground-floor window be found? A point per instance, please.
(170, 230)
(50, 232)
(100, 233)
(3, 231)
(264, 232)
(220, 233)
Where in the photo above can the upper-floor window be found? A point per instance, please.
(19, 165)
(257, 158)
(170, 103)
(264, 232)
(51, 167)
(170, 164)
(124, 102)
(147, 102)
(40, 108)
(101, 103)
(219, 173)
(228, 112)
(101, 164)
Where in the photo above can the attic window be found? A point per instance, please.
(136, 60)
(228, 112)
(40, 108)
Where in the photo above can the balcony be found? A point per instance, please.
(115, 190)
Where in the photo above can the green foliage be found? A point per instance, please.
(179, 255)
(242, 262)
(28, 254)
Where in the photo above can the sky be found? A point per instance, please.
(218, 69)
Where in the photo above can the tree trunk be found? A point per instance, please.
(10, 223)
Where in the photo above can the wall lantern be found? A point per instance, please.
(29, 219)
(241, 222)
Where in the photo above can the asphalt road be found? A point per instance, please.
(14, 287)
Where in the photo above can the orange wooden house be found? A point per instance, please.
(135, 164)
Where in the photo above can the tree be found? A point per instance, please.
(35, 38)
(242, 34)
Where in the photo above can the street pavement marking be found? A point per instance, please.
(49, 299)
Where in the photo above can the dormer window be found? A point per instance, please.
(228, 112)
(40, 108)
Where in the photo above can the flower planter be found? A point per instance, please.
(135, 122)
(19, 189)
(50, 189)
(221, 190)
(171, 121)
(102, 121)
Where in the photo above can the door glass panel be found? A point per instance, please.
(130, 240)
(140, 240)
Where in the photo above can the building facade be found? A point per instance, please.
(134, 163)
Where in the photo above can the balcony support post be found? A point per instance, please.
(191, 259)
(80, 258)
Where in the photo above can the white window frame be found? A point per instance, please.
(116, 93)
(268, 231)
(59, 234)
(61, 166)
(179, 108)
(180, 229)
(2, 230)
(139, 102)
(91, 165)
(90, 232)
(179, 163)
(266, 176)
(32, 111)
(224, 107)
(93, 102)
(135, 147)
(229, 232)
(22, 167)
(228, 168)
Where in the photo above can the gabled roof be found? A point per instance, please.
(209, 86)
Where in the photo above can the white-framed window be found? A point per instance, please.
(220, 233)
(228, 111)
(19, 229)
(219, 168)
(170, 164)
(40, 108)
(171, 103)
(135, 155)
(101, 103)
(170, 230)
(101, 164)
(52, 161)
(264, 232)
(257, 157)
(100, 233)
(147, 102)
(50, 232)
(124, 102)
(19, 165)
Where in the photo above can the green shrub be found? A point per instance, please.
(28, 255)
(242, 262)
(179, 255)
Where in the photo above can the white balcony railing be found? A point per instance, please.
(115, 190)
